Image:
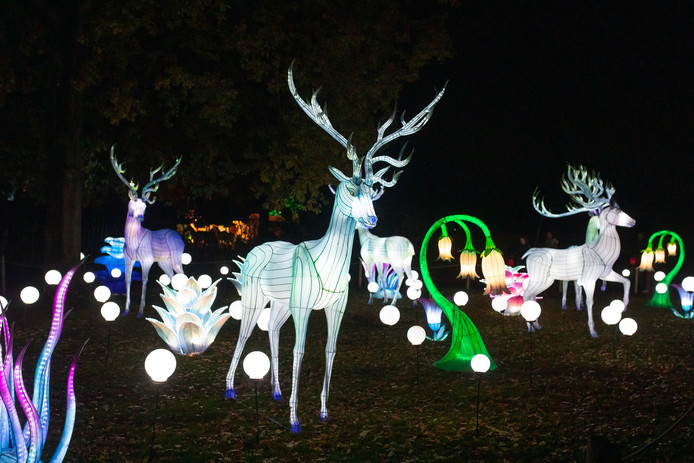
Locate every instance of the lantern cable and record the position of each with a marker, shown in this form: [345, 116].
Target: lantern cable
[656, 439]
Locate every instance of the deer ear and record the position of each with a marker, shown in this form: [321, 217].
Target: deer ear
[338, 175]
[132, 194]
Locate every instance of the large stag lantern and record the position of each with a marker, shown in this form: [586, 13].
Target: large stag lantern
[297, 279]
[165, 247]
[586, 263]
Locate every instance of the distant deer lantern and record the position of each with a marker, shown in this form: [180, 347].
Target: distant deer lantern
[394, 250]
[299, 278]
[165, 247]
[586, 263]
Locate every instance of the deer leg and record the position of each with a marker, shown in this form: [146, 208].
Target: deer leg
[145, 274]
[333, 316]
[278, 316]
[371, 277]
[382, 283]
[300, 324]
[129, 263]
[400, 275]
[579, 295]
[626, 283]
[590, 290]
[564, 289]
[249, 317]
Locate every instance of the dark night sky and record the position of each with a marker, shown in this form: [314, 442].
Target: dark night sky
[537, 85]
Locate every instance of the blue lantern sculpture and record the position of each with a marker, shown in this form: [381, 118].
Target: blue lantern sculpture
[114, 262]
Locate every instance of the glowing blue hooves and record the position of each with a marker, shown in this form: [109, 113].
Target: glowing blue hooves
[296, 428]
[277, 396]
[230, 394]
[324, 417]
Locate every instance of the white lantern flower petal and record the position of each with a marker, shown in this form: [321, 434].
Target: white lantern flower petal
[167, 334]
[191, 336]
[214, 328]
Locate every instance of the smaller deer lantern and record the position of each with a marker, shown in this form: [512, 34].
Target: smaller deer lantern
[165, 247]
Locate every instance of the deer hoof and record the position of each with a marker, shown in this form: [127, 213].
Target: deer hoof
[277, 396]
[230, 394]
[324, 417]
[296, 428]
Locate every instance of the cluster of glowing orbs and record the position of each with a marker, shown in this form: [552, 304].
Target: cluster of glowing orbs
[256, 365]
[372, 287]
[236, 309]
[445, 248]
[530, 311]
[186, 258]
[460, 298]
[480, 363]
[499, 304]
[160, 365]
[29, 295]
[264, 319]
[110, 311]
[89, 277]
[414, 291]
[618, 304]
[102, 293]
[52, 277]
[688, 284]
[415, 277]
[416, 335]
[628, 326]
[178, 282]
[224, 270]
[389, 315]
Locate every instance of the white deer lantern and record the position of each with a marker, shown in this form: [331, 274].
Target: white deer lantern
[299, 278]
[586, 263]
[165, 247]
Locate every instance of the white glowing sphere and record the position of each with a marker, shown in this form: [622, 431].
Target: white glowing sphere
[499, 304]
[460, 298]
[236, 309]
[372, 287]
[82, 256]
[417, 284]
[52, 277]
[408, 281]
[349, 278]
[659, 275]
[618, 305]
[160, 364]
[480, 363]
[224, 270]
[264, 319]
[416, 335]
[186, 258]
[661, 288]
[530, 310]
[256, 364]
[611, 315]
[164, 279]
[110, 311]
[204, 281]
[688, 284]
[626, 273]
[413, 293]
[628, 326]
[415, 275]
[116, 273]
[102, 293]
[89, 277]
[29, 295]
[178, 282]
[3, 303]
[389, 315]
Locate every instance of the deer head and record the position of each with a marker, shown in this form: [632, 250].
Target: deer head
[360, 190]
[137, 205]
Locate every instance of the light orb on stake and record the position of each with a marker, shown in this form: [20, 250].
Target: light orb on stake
[659, 275]
[416, 335]
[628, 326]
[204, 281]
[186, 258]
[116, 273]
[89, 277]
[164, 279]
[372, 287]
[160, 364]
[224, 270]
[52, 277]
[661, 288]
[389, 315]
[102, 293]
[480, 363]
[611, 315]
[688, 284]
[460, 298]
[29, 295]
[179, 281]
[626, 273]
[256, 365]
[110, 311]
[414, 293]
[499, 304]
[236, 310]
[530, 311]
[264, 319]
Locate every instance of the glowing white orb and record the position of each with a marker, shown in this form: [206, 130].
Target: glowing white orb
[688, 284]
[164, 279]
[618, 305]
[417, 284]
[102, 293]
[89, 277]
[256, 364]
[116, 273]
[389, 315]
[160, 364]
[661, 288]
[52, 277]
[29, 295]
[628, 326]
[416, 335]
[530, 310]
[264, 319]
[480, 363]
[236, 309]
[611, 315]
[110, 311]
[626, 273]
[659, 275]
[460, 298]
[415, 275]
[178, 282]
[3, 303]
[499, 304]
[186, 258]
[224, 270]
[372, 287]
[204, 281]
[413, 293]
[349, 278]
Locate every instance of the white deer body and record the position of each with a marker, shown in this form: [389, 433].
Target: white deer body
[165, 247]
[299, 278]
[394, 250]
[587, 263]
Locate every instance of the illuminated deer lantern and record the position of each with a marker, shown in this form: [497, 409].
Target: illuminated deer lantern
[589, 262]
[297, 279]
[394, 250]
[165, 247]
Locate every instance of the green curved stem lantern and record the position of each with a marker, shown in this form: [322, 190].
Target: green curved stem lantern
[466, 341]
[663, 300]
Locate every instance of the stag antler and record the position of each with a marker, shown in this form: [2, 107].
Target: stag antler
[153, 183]
[120, 170]
[587, 191]
[320, 116]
